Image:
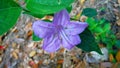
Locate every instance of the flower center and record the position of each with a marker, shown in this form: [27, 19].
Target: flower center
[59, 27]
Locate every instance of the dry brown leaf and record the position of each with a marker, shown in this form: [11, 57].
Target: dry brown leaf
[29, 34]
[35, 66]
[118, 56]
[61, 50]
[111, 58]
[40, 62]
[60, 61]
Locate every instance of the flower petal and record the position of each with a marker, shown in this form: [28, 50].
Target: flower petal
[74, 28]
[43, 29]
[61, 18]
[51, 44]
[69, 41]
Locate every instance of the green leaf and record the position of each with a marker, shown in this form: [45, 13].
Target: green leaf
[98, 29]
[90, 12]
[42, 15]
[47, 6]
[88, 42]
[106, 27]
[9, 13]
[33, 14]
[92, 23]
[118, 43]
[102, 21]
[69, 9]
[35, 38]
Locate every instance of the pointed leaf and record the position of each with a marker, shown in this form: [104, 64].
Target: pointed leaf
[98, 29]
[106, 27]
[47, 6]
[35, 38]
[88, 42]
[118, 44]
[90, 12]
[92, 23]
[9, 13]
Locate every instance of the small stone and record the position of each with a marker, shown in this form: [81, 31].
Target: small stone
[14, 54]
[45, 61]
[0, 59]
[19, 40]
[17, 50]
[31, 44]
[83, 18]
[35, 57]
[36, 61]
[106, 65]
[39, 51]
[14, 45]
[28, 67]
[32, 53]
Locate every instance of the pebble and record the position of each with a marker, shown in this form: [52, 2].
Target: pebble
[14, 54]
[0, 59]
[39, 51]
[36, 61]
[31, 44]
[45, 61]
[106, 65]
[32, 53]
[14, 45]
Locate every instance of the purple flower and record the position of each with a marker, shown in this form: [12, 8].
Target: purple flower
[61, 32]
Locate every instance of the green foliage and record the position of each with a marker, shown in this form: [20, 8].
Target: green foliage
[101, 30]
[98, 26]
[47, 6]
[42, 15]
[92, 23]
[88, 42]
[35, 38]
[89, 12]
[33, 14]
[9, 13]
[118, 44]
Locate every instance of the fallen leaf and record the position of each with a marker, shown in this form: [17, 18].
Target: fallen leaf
[60, 61]
[29, 34]
[118, 56]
